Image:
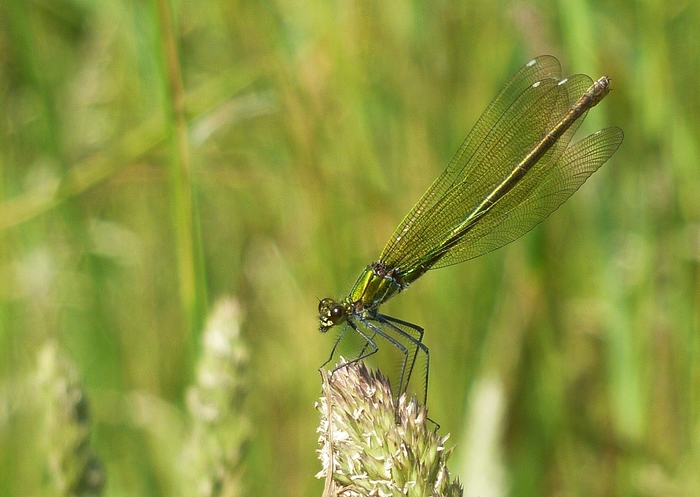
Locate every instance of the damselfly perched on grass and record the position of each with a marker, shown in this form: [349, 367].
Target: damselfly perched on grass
[515, 167]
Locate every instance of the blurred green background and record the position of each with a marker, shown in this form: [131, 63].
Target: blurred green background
[157, 157]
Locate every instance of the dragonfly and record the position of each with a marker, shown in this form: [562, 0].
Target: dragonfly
[515, 168]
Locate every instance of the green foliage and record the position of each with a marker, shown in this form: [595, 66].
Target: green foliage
[155, 156]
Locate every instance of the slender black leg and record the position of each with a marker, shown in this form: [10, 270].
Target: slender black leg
[335, 345]
[394, 331]
[371, 347]
[413, 334]
[364, 353]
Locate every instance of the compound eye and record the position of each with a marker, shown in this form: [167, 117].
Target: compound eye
[337, 313]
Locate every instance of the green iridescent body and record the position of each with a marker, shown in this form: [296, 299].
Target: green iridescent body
[374, 287]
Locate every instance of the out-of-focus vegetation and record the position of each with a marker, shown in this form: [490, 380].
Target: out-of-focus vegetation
[158, 157]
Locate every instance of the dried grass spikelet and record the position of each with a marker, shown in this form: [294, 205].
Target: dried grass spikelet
[373, 445]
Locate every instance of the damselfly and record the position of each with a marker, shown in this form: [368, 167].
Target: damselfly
[515, 167]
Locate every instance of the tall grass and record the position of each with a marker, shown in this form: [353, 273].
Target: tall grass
[159, 156]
